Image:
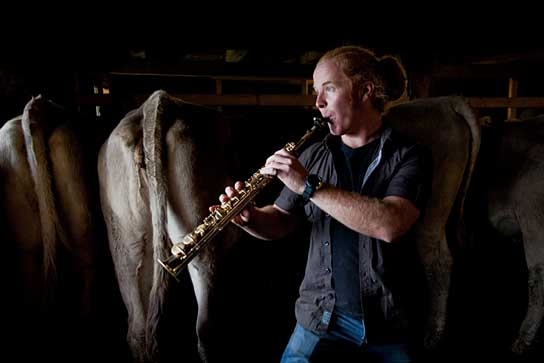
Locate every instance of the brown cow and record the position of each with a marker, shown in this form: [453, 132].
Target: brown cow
[47, 223]
[448, 126]
[160, 170]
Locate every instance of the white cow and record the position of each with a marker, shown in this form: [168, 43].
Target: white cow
[447, 125]
[160, 170]
[47, 223]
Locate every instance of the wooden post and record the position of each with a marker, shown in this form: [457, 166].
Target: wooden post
[218, 87]
[512, 92]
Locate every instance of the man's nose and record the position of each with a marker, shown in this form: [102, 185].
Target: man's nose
[320, 101]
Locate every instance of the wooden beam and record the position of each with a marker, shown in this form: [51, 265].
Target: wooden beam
[299, 100]
[143, 72]
[249, 100]
[505, 102]
[483, 71]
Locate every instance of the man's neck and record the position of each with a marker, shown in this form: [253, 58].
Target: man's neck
[369, 131]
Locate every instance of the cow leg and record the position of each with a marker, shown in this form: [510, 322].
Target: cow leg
[534, 254]
[188, 205]
[74, 203]
[434, 251]
[126, 214]
[129, 271]
[437, 261]
[23, 226]
[535, 305]
[202, 285]
[535, 311]
[197, 174]
[527, 203]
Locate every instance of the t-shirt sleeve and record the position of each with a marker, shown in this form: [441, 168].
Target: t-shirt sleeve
[413, 179]
[287, 200]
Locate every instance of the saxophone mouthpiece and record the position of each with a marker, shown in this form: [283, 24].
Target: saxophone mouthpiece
[320, 122]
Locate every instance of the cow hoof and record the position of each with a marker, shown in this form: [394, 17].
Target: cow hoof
[432, 340]
[519, 347]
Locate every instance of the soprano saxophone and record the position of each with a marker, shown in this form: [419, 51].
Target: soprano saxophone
[184, 251]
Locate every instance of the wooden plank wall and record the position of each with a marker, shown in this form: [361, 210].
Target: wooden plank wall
[299, 90]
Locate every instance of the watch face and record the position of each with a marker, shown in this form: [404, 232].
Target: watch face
[313, 180]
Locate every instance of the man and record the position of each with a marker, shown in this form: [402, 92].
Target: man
[363, 188]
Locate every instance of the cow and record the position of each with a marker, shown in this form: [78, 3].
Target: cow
[160, 170]
[507, 200]
[516, 205]
[447, 125]
[47, 225]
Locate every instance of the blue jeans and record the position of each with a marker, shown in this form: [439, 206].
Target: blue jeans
[343, 342]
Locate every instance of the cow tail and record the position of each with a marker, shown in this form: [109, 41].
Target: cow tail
[34, 124]
[153, 141]
[464, 109]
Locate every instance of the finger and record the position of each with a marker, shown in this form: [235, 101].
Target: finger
[269, 160]
[239, 185]
[230, 191]
[223, 198]
[268, 170]
[244, 216]
[241, 220]
[283, 152]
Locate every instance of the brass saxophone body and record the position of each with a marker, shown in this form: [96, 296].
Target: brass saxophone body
[184, 251]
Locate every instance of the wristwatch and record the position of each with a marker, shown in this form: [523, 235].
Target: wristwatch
[313, 183]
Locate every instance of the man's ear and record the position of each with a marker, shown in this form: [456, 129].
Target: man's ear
[368, 89]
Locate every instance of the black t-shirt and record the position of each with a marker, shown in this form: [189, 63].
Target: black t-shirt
[351, 165]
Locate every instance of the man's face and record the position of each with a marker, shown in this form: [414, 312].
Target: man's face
[334, 99]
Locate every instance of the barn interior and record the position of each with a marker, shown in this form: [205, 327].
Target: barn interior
[264, 88]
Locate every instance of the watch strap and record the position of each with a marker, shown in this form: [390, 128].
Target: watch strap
[312, 184]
